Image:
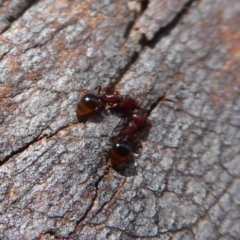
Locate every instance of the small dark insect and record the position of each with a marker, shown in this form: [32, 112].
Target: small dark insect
[136, 119]
[91, 102]
[119, 153]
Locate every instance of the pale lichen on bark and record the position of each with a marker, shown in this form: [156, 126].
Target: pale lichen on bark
[54, 183]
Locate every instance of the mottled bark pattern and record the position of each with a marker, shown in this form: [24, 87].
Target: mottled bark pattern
[185, 183]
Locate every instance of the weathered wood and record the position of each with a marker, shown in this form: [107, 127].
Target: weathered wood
[54, 183]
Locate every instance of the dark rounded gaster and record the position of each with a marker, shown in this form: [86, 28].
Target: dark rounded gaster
[88, 104]
[119, 153]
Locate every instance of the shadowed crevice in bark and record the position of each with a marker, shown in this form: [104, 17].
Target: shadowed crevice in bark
[16, 9]
[165, 31]
[144, 5]
[96, 184]
[20, 150]
[35, 140]
[5, 54]
[123, 71]
[162, 32]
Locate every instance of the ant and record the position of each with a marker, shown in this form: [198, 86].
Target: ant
[91, 103]
[121, 150]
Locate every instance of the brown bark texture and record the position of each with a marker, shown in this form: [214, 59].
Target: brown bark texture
[179, 59]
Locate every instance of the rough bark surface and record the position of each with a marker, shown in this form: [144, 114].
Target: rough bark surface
[185, 183]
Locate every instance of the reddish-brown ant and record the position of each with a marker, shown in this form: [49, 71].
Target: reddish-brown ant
[91, 102]
[120, 151]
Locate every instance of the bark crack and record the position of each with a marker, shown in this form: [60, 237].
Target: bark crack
[15, 10]
[166, 30]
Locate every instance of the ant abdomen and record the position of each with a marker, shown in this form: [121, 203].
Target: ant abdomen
[88, 104]
[119, 153]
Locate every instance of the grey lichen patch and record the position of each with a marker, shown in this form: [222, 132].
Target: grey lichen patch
[171, 217]
[151, 21]
[55, 178]
[47, 64]
[233, 166]
[197, 190]
[205, 229]
[35, 182]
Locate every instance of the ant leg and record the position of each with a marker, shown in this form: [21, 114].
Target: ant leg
[164, 98]
[116, 92]
[169, 100]
[98, 88]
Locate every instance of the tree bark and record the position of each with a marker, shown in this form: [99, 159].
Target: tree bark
[179, 59]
